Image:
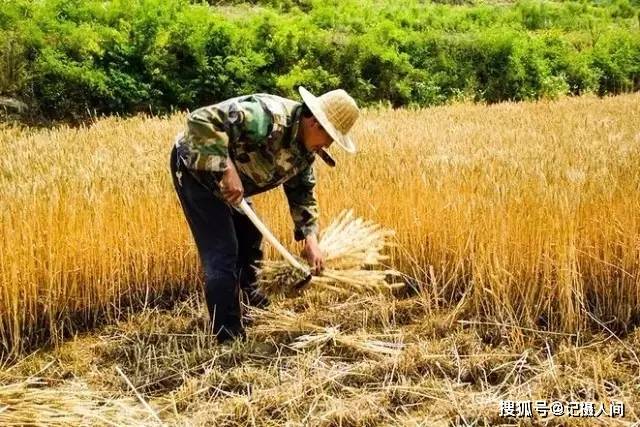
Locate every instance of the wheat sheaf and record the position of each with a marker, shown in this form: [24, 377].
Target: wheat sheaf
[353, 250]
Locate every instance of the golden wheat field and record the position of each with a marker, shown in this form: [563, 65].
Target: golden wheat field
[517, 226]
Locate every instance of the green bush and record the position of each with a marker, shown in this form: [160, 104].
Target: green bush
[70, 58]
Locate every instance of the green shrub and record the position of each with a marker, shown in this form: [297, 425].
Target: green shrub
[70, 58]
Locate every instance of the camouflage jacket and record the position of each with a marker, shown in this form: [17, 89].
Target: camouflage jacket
[258, 132]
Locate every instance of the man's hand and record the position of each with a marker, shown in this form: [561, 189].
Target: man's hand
[230, 185]
[312, 254]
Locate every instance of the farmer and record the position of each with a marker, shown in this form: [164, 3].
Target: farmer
[245, 146]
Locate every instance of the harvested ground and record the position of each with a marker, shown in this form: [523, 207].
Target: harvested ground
[321, 360]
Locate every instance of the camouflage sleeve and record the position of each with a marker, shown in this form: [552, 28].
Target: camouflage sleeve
[302, 203]
[212, 130]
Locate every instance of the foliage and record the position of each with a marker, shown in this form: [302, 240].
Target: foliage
[69, 58]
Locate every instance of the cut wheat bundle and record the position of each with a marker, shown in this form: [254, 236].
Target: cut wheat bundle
[32, 401]
[314, 336]
[353, 252]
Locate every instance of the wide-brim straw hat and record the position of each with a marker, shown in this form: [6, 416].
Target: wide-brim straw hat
[337, 112]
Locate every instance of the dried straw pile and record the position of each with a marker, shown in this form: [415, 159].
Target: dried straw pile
[353, 250]
[312, 336]
[32, 401]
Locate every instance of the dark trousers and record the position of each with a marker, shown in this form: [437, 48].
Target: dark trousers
[229, 247]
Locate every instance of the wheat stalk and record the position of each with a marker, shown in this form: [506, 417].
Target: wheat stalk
[32, 401]
[353, 253]
[314, 336]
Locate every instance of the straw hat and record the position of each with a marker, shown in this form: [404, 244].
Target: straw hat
[336, 111]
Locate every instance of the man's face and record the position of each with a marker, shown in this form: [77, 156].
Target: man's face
[314, 135]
